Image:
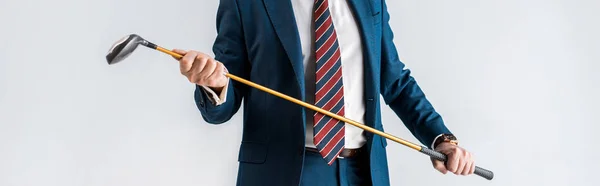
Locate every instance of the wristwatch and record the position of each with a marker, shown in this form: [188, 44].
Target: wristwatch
[445, 138]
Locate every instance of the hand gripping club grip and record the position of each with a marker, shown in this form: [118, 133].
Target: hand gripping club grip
[442, 157]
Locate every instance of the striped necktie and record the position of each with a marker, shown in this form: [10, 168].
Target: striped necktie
[328, 132]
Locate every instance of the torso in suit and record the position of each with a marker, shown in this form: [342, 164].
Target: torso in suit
[258, 40]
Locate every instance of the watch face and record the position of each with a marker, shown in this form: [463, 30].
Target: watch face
[450, 137]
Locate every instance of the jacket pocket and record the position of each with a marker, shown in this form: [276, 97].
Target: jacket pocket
[252, 152]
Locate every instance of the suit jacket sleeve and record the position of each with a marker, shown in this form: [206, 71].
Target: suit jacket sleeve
[401, 92]
[229, 48]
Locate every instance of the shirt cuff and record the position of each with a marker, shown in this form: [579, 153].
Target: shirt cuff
[216, 99]
[434, 140]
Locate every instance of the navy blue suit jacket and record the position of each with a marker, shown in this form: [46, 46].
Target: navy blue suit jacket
[258, 40]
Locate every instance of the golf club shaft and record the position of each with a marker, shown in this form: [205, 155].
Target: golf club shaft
[436, 155]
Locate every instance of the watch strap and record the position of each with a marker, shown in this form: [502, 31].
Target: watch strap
[450, 138]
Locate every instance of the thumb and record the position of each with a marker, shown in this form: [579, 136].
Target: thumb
[180, 52]
[439, 165]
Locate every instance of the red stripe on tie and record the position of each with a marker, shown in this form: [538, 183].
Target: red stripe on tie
[319, 117]
[340, 112]
[323, 49]
[328, 65]
[321, 29]
[337, 138]
[328, 127]
[335, 157]
[320, 10]
[329, 85]
[334, 100]
[323, 34]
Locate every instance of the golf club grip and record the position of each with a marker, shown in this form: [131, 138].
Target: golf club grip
[442, 157]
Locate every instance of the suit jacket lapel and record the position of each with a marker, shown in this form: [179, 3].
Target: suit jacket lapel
[281, 14]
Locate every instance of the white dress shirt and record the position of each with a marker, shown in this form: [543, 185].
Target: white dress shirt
[349, 40]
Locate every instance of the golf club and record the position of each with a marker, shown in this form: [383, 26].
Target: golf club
[126, 45]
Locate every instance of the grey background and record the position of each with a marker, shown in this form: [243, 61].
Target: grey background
[516, 80]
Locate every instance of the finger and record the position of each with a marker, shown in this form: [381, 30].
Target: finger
[194, 73]
[217, 76]
[452, 163]
[209, 68]
[180, 52]
[439, 165]
[199, 64]
[185, 64]
[461, 166]
[472, 170]
[468, 164]
[446, 149]
[467, 168]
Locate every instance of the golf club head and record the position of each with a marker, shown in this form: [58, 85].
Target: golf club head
[123, 48]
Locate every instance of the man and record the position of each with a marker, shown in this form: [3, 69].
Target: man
[336, 54]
